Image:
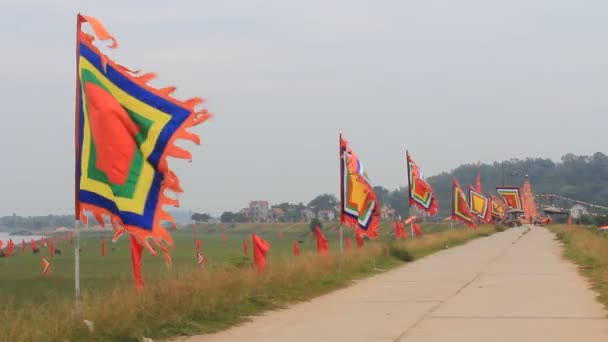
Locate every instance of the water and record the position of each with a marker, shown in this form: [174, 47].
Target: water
[4, 237]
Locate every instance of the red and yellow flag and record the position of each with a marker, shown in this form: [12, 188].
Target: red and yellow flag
[360, 207]
[460, 209]
[420, 192]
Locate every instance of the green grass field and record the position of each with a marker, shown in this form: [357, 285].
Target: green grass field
[22, 280]
[185, 299]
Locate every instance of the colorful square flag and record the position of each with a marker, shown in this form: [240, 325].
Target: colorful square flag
[511, 196]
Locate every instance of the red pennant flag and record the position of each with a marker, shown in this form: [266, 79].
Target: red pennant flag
[103, 247]
[397, 229]
[199, 243]
[360, 241]
[260, 249]
[403, 231]
[1, 244]
[46, 267]
[52, 246]
[23, 245]
[417, 229]
[9, 248]
[347, 242]
[224, 238]
[296, 248]
[33, 245]
[322, 247]
[280, 235]
[246, 248]
[136, 251]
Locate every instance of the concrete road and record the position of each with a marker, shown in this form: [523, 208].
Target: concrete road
[511, 286]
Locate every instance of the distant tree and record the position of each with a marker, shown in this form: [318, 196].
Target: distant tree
[201, 217]
[314, 223]
[240, 217]
[323, 202]
[382, 194]
[227, 217]
[398, 200]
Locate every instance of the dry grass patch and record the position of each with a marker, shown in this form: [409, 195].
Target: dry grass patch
[588, 248]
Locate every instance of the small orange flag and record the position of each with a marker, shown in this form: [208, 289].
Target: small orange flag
[136, 251]
[322, 247]
[360, 241]
[260, 249]
[245, 248]
[417, 229]
[296, 248]
[224, 238]
[52, 246]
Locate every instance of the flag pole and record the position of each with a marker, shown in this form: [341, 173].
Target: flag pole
[409, 190]
[77, 210]
[77, 270]
[341, 169]
[341, 249]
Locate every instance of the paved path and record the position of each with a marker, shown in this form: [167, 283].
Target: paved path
[507, 287]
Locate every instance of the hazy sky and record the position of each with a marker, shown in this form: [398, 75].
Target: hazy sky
[452, 81]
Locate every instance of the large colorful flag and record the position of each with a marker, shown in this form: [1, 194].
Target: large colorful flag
[420, 192]
[125, 131]
[498, 207]
[460, 209]
[360, 207]
[511, 196]
[479, 205]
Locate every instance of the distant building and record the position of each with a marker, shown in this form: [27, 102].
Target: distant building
[258, 211]
[387, 213]
[307, 214]
[277, 214]
[577, 211]
[327, 215]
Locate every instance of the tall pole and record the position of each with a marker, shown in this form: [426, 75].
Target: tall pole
[77, 142]
[77, 271]
[341, 249]
[503, 173]
[409, 189]
[341, 159]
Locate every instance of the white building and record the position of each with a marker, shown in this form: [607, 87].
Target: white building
[577, 211]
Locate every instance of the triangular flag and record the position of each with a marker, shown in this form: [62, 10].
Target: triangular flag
[23, 245]
[296, 248]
